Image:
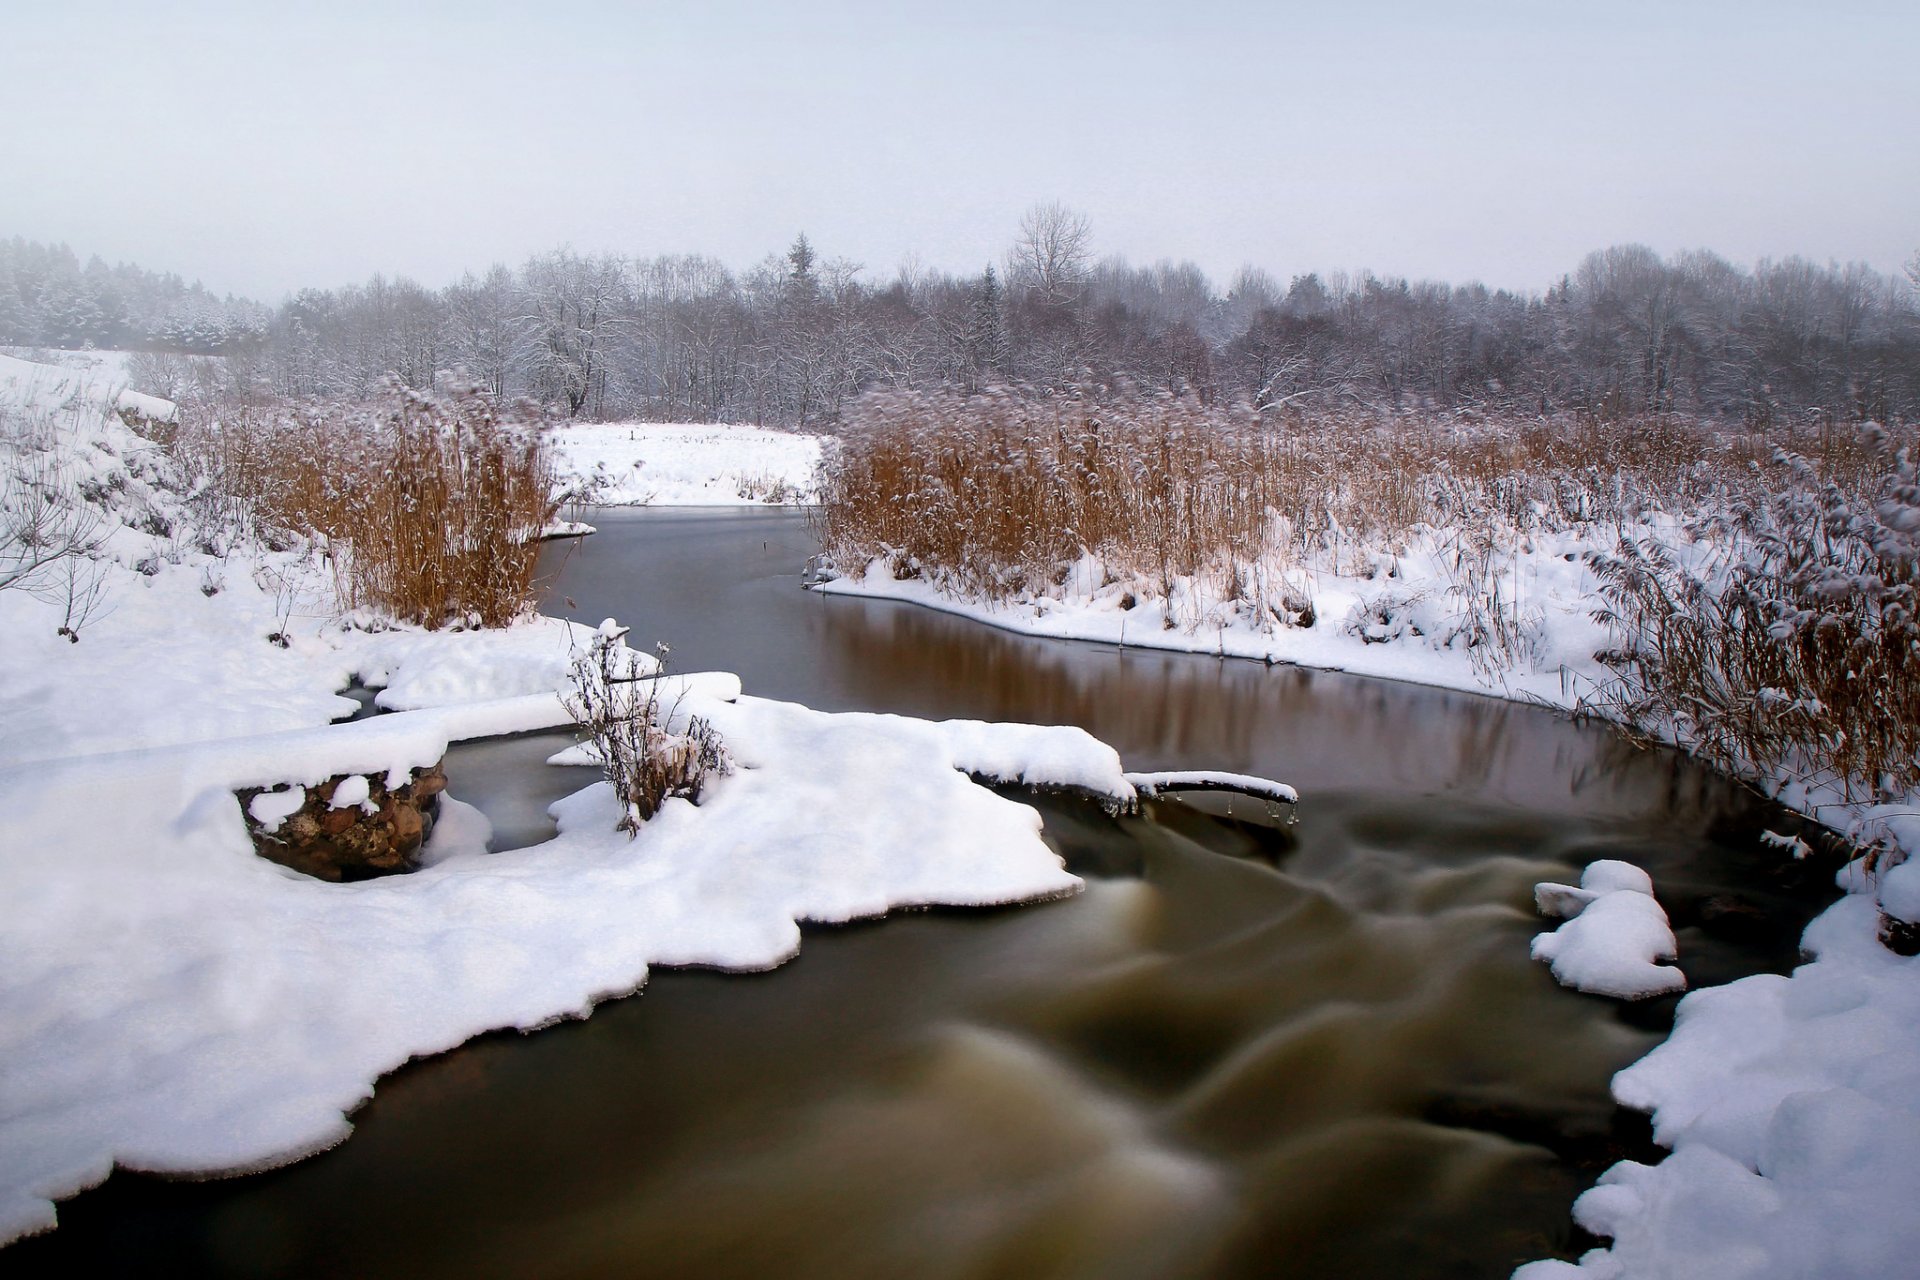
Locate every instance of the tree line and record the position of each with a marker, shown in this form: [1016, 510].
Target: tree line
[794, 338]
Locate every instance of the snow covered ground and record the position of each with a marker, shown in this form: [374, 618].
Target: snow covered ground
[628, 464]
[1400, 619]
[1791, 1104]
[172, 1002]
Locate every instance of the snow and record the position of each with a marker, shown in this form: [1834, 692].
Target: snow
[271, 808]
[1900, 892]
[1213, 780]
[640, 463]
[1792, 1105]
[1426, 643]
[172, 1002]
[40, 388]
[1610, 949]
[1614, 934]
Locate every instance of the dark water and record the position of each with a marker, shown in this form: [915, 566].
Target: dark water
[1247, 1049]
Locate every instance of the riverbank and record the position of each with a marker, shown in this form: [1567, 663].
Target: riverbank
[1789, 1103]
[632, 464]
[174, 1003]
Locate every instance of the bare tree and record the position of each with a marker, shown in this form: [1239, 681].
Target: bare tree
[572, 306]
[1050, 257]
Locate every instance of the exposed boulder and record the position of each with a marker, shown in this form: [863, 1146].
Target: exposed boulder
[350, 827]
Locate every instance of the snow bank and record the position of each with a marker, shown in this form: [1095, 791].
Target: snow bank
[173, 1003]
[1792, 1106]
[640, 463]
[1549, 577]
[1613, 937]
[44, 388]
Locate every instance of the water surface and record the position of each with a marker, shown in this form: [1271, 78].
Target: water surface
[1248, 1049]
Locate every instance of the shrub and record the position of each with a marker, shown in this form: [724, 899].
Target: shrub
[649, 752]
[996, 495]
[432, 504]
[1798, 648]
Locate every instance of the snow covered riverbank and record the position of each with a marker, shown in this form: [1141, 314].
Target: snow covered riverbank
[172, 1002]
[626, 464]
[1791, 1104]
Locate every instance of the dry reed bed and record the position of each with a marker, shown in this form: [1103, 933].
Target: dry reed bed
[997, 493]
[1759, 586]
[430, 505]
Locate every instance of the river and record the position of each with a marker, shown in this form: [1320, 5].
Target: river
[1249, 1048]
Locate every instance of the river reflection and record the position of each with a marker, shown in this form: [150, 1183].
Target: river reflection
[1245, 1050]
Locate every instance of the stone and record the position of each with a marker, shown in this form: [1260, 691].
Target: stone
[354, 842]
[1902, 937]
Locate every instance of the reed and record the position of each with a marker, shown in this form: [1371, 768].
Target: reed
[648, 752]
[1795, 651]
[996, 494]
[1760, 595]
[431, 505]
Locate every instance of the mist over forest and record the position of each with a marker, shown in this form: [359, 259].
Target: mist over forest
[796, 337]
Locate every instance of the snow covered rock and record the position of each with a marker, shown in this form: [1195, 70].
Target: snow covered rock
[350, 827]
[1900, 909]
[1614, 937]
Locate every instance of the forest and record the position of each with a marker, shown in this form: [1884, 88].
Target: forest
[794, 339]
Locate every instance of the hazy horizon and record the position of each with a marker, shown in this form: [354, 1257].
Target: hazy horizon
[265, 151]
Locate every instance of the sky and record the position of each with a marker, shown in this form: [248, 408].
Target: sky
[262, 148]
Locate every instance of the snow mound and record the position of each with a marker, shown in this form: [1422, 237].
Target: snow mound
[1900, 892]
[1614, 935]
[45, 388]
[1792, 1106]
[173, 1003]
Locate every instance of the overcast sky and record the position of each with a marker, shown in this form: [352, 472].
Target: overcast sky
[264, 147]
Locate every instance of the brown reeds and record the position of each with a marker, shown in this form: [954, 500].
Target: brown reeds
[1770, 624]
[432, 506]
[998, 493]
[1797, 651]
[646, 758]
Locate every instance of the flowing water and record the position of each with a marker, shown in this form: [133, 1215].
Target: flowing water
[1247, 1049]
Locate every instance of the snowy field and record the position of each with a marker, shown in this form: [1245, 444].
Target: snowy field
[1791, 1105]
[101, 368]
[171, 1002]
[630, 464]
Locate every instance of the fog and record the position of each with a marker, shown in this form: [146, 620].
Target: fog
[265, 148]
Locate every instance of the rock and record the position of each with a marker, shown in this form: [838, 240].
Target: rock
[354, 842]
[1902, 937]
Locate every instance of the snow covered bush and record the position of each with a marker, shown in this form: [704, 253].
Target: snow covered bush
[1222, 511]
[1797, 650]
[649, 752]
[431, 504]
[47, 527]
